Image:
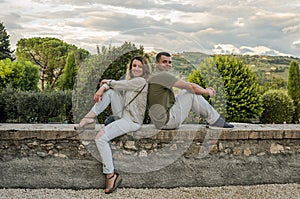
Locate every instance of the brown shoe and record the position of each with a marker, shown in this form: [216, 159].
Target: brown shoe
[116, 184]
[87, 123]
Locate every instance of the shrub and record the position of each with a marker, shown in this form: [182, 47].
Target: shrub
[237, 89]
[35, 107]
[278, 107]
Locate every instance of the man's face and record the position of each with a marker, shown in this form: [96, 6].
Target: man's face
[164, 63]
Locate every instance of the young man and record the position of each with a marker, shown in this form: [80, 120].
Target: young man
[167, 111]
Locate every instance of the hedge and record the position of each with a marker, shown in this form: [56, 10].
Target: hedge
[35, 107]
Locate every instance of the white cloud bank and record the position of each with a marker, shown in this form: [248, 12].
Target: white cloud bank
[214, 26]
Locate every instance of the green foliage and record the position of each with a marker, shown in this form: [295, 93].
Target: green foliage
[237, 90]
[186, 62]
[294, 80]
[278, 107]
[5, 72]
[275, 65]
[273, 83]
[67, 79]
[257, 63]
[207, 75]
[294, 88]
[5, 51]
[119, 58]
[50, 55]
[21, 75]
[32, 107]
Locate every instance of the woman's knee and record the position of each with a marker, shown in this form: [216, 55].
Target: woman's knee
[99, 135]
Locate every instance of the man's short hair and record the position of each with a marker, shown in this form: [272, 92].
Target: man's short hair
[158, 56]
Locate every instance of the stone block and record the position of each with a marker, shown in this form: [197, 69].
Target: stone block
[292, 134]
[247, 152]
[276, 148]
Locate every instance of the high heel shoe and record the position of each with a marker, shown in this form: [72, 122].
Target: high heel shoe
[87, 125]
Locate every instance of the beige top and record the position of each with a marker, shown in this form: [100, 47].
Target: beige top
[136, 109]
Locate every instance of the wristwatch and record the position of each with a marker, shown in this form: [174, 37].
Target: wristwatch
[109, 82]
[106, 86]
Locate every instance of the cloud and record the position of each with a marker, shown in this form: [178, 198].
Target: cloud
[296, 44]
[225, 49]
[183, 25]
[246, 50]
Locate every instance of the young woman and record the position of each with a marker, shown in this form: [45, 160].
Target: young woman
[131, 114]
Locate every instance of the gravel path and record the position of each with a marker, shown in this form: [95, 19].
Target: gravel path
[273, 191]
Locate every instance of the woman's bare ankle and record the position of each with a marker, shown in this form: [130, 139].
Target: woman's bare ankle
[86, 120]
[110, 175]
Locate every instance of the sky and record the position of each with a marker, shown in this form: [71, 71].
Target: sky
[209, 26]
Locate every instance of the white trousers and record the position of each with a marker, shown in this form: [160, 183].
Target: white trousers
[110, 97]
[186, 102]
[114, 129]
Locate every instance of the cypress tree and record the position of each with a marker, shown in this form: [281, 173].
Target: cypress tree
[69, 73]
[294, 88]
[5, 51]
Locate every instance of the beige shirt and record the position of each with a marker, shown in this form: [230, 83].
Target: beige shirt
[136, 109]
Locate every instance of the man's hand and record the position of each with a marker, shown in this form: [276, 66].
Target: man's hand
[210, 92]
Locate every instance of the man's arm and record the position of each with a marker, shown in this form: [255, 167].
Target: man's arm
[194, 88]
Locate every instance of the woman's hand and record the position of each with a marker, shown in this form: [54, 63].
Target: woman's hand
[104, 81]
[98, 95]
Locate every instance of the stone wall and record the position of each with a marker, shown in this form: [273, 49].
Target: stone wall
[55, 156]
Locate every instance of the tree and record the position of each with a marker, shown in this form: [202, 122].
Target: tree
[237, 89]
[67, 79]
[5, 51]
[20, 75]
[5, 72]
[294, 88]
[50, 55]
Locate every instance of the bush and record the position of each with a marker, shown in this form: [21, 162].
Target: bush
[237, 89]
[278, 107]
[35, 107]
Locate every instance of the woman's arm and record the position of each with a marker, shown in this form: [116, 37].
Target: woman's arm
[98, 95]
[129, 85]
[132, 84]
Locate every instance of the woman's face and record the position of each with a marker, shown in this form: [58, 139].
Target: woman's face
[137, 68]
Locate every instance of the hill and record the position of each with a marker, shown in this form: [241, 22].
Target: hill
[270, 66]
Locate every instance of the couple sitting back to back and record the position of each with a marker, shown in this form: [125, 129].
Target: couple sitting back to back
[166, 110]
